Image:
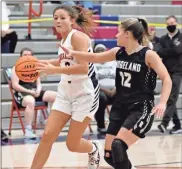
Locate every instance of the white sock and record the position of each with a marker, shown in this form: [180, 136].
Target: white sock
[94, 148]
[29, 127]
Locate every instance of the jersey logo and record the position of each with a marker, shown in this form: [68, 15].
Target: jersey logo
[64, 56]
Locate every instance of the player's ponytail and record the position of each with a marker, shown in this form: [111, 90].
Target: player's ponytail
[145, 39]
[84, 19]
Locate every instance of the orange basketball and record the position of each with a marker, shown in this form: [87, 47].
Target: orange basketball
[25, 68]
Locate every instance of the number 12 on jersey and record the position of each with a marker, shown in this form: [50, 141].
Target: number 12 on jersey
[125, 79]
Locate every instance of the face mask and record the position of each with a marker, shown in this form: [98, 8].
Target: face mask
[171, 28]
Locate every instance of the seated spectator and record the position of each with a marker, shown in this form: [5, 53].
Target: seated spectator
[106, 76]
[7, 35]
[27, 93]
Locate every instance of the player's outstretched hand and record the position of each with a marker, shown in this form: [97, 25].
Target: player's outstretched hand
[159, 110]
[45, 68]
[68, 52]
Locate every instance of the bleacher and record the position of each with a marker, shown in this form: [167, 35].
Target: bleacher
[44, 41]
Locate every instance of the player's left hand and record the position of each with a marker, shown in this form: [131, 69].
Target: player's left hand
[67, 51]
[45, 68]
[159, 110]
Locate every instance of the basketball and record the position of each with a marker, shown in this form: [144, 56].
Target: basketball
[25, 68]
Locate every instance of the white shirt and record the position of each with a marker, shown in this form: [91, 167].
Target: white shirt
[5, 13]
[106, 73]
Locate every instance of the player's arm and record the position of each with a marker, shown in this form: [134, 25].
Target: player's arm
[55, 62]
[39, 86]
[16, 86]
[107, 56]
[80, 43]
[153, 60]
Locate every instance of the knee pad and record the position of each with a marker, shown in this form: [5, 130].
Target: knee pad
[119, 148]
[109, 159]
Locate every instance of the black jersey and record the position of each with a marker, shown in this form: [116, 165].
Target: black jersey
[135, 81]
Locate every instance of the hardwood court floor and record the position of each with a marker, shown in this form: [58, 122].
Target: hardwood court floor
[153, 152]
[103, 168]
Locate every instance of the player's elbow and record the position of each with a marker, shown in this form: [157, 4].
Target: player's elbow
[166, 80]
[15, 86]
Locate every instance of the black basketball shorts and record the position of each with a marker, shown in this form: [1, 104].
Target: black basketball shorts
[20, 95]
[132, 116]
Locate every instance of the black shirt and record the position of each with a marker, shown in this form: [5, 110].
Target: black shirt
[135, 81]
[170, 51]
[28, 85]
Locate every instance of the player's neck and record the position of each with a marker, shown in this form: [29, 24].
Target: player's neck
[133, 47]
[64, 35]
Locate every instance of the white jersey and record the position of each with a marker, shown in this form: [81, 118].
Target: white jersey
[71, 61]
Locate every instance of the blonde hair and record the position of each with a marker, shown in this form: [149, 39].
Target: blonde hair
[139, 28]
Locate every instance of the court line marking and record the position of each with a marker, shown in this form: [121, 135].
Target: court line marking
[76, 167]
[159, 164]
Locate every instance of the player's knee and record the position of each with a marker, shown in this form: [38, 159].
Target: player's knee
[29, 102]
[71, 146]
[119, 148]
[108, 157]
[47, 137]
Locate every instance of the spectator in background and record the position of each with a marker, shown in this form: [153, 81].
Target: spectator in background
[7, 35]
[27, 93]
[171, 53]
[153, 38]
[88, 5]
[106, 76]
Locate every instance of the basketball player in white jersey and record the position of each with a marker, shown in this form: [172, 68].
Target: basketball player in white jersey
[78, 91]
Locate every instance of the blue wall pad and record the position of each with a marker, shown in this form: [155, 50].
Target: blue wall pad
[109, 18]
[109, 43]
[98, 8]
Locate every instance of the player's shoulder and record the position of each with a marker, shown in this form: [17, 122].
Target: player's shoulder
[78, 35]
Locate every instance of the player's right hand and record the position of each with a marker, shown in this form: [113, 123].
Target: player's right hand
[159, 110]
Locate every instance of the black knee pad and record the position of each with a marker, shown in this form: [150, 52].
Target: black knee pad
[109, 159]
[119, 154]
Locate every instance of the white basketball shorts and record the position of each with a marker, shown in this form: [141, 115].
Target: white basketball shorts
[80, 99]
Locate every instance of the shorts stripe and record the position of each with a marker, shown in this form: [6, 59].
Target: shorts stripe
[148, 121]
[91, 70]
[96, 96]
[97, 89]
[95, 108]
[94, 104]
[96, 99]
[144, 120]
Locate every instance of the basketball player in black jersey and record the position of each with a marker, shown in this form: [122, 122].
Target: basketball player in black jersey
[132, 113]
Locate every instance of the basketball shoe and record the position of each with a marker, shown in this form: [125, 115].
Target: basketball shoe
[94, 157]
